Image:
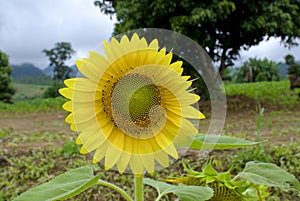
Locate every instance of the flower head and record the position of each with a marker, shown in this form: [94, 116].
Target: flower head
[132, 106]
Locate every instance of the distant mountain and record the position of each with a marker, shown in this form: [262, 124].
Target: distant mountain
[27, 73]
[49, 71]
[284, 69]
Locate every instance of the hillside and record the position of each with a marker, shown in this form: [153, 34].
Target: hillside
[27, 73]
[49, 71]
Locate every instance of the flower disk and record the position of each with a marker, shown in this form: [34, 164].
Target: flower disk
[132, 106]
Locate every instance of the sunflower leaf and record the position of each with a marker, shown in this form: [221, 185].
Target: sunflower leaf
[185, 193]
[63, 186]
[203, 141]
[270, 175]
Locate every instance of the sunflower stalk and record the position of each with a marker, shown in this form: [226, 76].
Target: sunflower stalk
[139, 193]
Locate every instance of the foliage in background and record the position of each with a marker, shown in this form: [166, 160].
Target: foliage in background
[57, 57]
[257, 70]
[52, 91]
[32, 105]
[6, 87]
[28, 91]
[223, 28]
[275, 92]
[294, 68]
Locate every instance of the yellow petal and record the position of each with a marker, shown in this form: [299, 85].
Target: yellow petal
[162, 158]
[99, 61]
[92, 137]
[88, 70]
[81, 84]
[83, 150]
[66, 92]
[73, 128]
[123, 162]
[67, 106]
[148, 162]
[191, 112]
[154, 45]
[136, 165]
[167, 145]
[100, 152]
[70, 119]
[115, 149]
[176, 66]
[86, 96]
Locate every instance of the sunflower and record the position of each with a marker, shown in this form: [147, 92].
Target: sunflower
[132, 106]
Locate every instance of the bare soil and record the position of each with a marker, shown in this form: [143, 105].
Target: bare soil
[280, 124]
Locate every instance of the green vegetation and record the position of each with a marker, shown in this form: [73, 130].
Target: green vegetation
[34, 105]
[29, 158]
[57, 57]
[274, 92]
[294, 67]
[6, 87]
[223, 28]
[257, 70]
[28, 91]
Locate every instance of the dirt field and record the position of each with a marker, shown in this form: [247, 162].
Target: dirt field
[280, 124]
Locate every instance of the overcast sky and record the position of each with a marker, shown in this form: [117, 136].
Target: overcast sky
[28, 27]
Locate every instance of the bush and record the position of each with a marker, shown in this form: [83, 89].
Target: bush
[256, 70]
[52, 91]
[6, 88]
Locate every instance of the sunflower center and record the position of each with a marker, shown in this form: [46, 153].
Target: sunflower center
[136, 106]
[134, 96]
[141, 103]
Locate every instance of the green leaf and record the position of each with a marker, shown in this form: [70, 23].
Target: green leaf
[185, 193]
[203, 141]
[63, 186]
[270, 175]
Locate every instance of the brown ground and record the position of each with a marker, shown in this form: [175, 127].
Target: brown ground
[280, 124]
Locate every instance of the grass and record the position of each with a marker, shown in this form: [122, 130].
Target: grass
[28, 91]
[32, 105]
[275, 92]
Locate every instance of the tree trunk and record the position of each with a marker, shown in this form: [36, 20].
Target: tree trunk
[223, 63]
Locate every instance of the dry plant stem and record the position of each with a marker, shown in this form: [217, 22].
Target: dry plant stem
[139, 192]
[116, 188]
[258, 193]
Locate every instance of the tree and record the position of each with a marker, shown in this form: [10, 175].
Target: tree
[222, 27]
[293, 71]
[257, 70]
[57, 57]
[6, 87]
[294, 68]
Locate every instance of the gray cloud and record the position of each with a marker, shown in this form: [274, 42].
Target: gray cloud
[28, 27]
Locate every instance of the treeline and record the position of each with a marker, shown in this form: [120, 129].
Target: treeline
[257, 70]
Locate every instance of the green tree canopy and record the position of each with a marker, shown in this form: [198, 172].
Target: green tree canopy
[57, 57]
[222, 27]
[294, 68]
[6, 87]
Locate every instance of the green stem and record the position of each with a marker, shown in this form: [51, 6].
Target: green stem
[116, 188]
[160, 196]
[139, 193]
